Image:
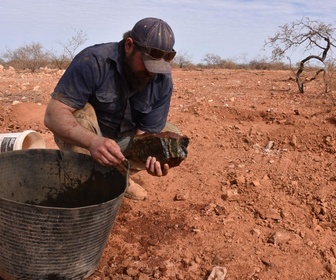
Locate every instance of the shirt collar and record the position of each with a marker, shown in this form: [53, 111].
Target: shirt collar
[116, 54]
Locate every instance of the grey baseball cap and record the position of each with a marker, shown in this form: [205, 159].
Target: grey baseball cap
[156, 40]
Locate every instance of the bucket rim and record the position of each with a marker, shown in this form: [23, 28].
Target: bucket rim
[32, 206]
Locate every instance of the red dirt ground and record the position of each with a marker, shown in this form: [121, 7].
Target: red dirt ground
[256, 194]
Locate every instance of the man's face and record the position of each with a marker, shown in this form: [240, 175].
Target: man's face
[135, 71]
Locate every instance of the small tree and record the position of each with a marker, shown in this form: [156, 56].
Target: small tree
[69, 49]
[312, 36]
[212, 60]
[31, 56]
[182, 59]
[71, 46]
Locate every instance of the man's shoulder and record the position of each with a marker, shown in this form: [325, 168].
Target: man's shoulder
[104, 49]
[164, 78]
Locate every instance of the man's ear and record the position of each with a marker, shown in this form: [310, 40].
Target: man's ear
[129, 45]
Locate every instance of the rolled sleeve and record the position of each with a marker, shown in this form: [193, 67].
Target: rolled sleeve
[79, 81]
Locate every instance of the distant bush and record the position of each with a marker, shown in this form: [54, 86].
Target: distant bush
[265, 65]
[31, 56]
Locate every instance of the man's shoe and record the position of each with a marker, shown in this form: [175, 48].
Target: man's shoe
[135, 191]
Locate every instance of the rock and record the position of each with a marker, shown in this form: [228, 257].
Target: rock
[318, 229]
[219, 210]
[130, 271]
[269, 214]
[217, 273]
[36, 88]
[143, 276]
[278, 238]
[240, 180]
[255, 183]
[15, 102]
[256, 232]
[167, 147]
[269, 146]
[293, 141]
[231, 194]
[333, 250]
[331, 268]
[266, 261]
[181, 196]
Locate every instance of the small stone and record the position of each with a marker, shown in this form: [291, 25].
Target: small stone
[269, 214]
[219, 210]
[230, 195]
[179, 276]
[269, 146]
[197, 230]
[293, 141]
[218, 273]
[36, 88]
[333, 250]
[256, 183]
[198, 260]
[279, 238]
[240, 180]
[181, 196]
[130, 271]
[318, 229]
[256, 232]
[162, 268]
[266, 262]
[331, 268]
[143, 276]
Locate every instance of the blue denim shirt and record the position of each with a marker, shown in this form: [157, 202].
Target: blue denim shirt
[95, 76]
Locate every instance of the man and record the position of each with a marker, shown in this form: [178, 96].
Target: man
[113, 91]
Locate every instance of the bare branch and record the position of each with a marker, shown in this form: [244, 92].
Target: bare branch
[313, 37]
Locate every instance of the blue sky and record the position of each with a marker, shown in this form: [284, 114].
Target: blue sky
[232, 29]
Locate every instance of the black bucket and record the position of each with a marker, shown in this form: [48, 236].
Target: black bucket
[57, 210]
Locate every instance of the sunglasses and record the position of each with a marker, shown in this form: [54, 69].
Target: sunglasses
[156, 53]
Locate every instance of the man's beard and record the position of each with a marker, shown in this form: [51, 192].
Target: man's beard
[136, 80]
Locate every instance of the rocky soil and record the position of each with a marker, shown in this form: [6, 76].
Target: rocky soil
[254, 198]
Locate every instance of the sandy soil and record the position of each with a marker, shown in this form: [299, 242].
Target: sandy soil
[256, 194]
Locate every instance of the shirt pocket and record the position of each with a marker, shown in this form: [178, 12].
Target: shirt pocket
[142, 106]
[108, 101]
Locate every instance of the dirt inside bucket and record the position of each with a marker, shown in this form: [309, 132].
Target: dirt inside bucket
[95, 190]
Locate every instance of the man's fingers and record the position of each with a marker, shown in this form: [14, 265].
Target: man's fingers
[109, 160]
[157, 167]
[165, 169]
[154, 167]
[113, 152]
[106, 151]
[114, 157]
[148, 163]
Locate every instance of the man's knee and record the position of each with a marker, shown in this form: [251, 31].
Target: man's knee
[87, 118]
[169, 127]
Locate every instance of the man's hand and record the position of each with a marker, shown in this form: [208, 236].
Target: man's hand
[154, 167]
[105, 151]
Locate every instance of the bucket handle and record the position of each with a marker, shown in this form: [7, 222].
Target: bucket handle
[128, 167]
[125, 168]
